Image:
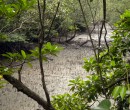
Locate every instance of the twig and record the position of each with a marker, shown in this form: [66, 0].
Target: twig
[41, 41]
[105, 38]
[94, 24]
[99, 44]
[116, 82]
[3, 27]
[91, 11]
[17, 28]
[73, 35]
[19, 71]
[89, 33]
[41, 21]
[48, 35]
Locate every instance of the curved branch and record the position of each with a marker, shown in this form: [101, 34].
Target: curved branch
[89, 32]
[116, 82]
[41, 42]
[25, 90]
[48, 35]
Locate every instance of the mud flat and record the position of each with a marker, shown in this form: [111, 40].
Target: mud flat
[67, 65]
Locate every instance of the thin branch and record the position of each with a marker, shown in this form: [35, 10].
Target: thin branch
[92, 104]
[41, 41]
[17, 28]
[48, 35]
[117, 10]
[94, 25]
[4, 27]
[90, 8]
[19, 64]
[103, 21]
[100, 34]
[105, 38]
[73, 35]
[19, 71]
[96, 55]
[89, 33]
[116, 82]
[99, 45]
[41, 22]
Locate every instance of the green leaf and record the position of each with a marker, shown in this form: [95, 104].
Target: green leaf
[103, 105]
[91, 0]
[72, 88]
[106, 104]
[113, 63]
[48, 45]
[6, 55]
[2, 82]
[24, 3]
[23, 54]
[6, 71]
[116, 92]
[123, 92]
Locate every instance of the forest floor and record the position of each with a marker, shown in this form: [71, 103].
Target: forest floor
[66, 66]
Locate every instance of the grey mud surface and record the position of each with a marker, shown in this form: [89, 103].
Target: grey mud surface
[68, 65]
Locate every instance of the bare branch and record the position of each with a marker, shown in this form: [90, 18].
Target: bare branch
[89, 33]
[73, 35]
[99, 44]
[19, 71]
[116, 82]
[17, 28]
[41, 41]
[48, 35]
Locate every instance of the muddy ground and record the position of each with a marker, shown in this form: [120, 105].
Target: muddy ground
[67, 65]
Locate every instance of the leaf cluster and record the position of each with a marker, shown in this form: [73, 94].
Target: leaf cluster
[12, 8]
[20, 58]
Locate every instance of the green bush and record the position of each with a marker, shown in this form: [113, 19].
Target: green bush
[109, 79]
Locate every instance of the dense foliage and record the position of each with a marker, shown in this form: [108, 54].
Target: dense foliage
[109, 78]
[19, 19]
